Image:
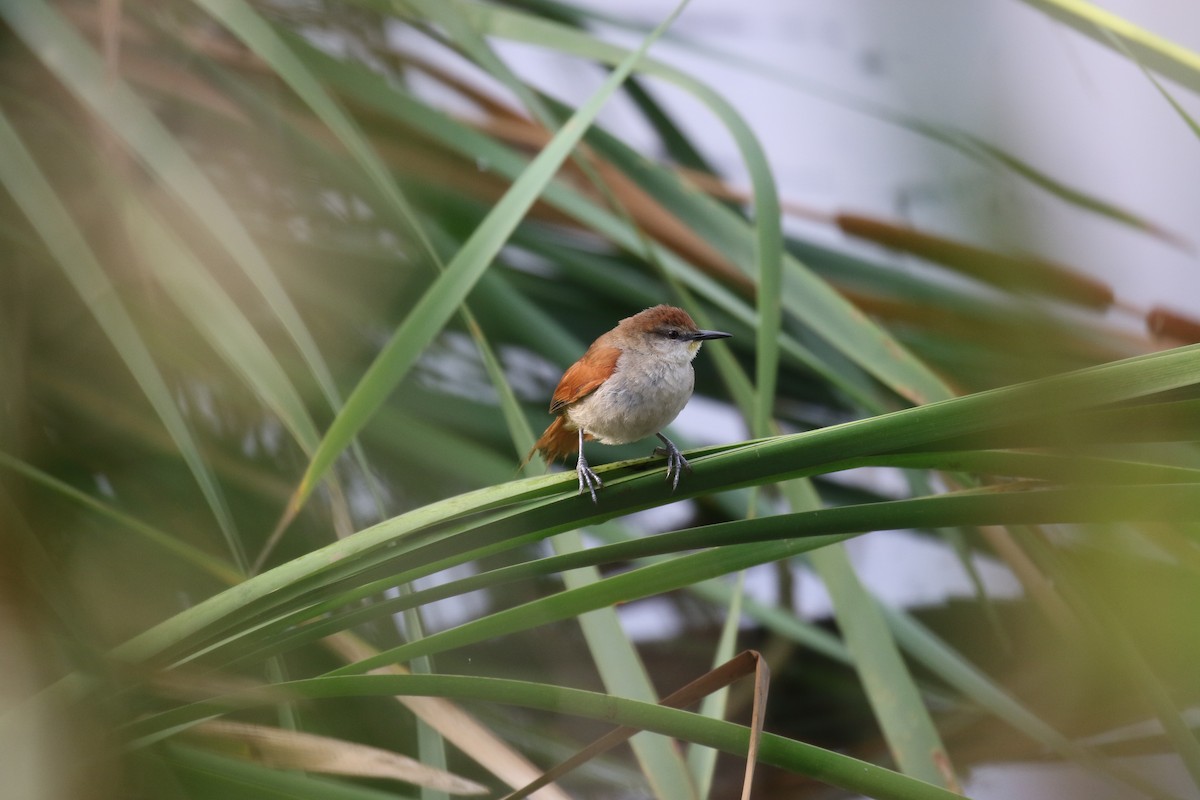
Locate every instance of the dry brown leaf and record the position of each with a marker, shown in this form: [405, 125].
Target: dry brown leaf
[285, 749]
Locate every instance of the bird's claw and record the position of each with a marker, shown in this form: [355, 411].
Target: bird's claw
[587, 478]
[676, 463]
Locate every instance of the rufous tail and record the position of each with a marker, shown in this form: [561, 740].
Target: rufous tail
[557, 442]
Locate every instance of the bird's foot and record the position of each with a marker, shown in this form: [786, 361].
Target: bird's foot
[676, 463]
[587, 479]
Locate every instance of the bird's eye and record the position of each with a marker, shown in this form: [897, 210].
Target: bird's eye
[672, 334]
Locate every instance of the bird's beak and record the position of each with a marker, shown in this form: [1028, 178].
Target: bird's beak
[700, 336]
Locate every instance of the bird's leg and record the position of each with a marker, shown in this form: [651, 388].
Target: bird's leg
[587, 479]
[676, 463]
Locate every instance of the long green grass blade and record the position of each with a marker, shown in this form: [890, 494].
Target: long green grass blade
[1086, 472]
[24, 180]
[1067, 193]
[788, 535]
[1046, 506]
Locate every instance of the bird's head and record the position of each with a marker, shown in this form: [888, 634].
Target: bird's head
[667, 331]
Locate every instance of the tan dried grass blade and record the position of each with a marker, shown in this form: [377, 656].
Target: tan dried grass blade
[285, 749]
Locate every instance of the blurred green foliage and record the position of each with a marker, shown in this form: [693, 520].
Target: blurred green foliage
[278, 325]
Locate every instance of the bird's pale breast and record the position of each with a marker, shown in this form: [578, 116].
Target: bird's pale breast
[641, 398]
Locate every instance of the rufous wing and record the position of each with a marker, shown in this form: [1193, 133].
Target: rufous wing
[580, 380]
[585, 376]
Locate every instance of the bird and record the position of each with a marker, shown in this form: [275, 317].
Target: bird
[632, 382]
